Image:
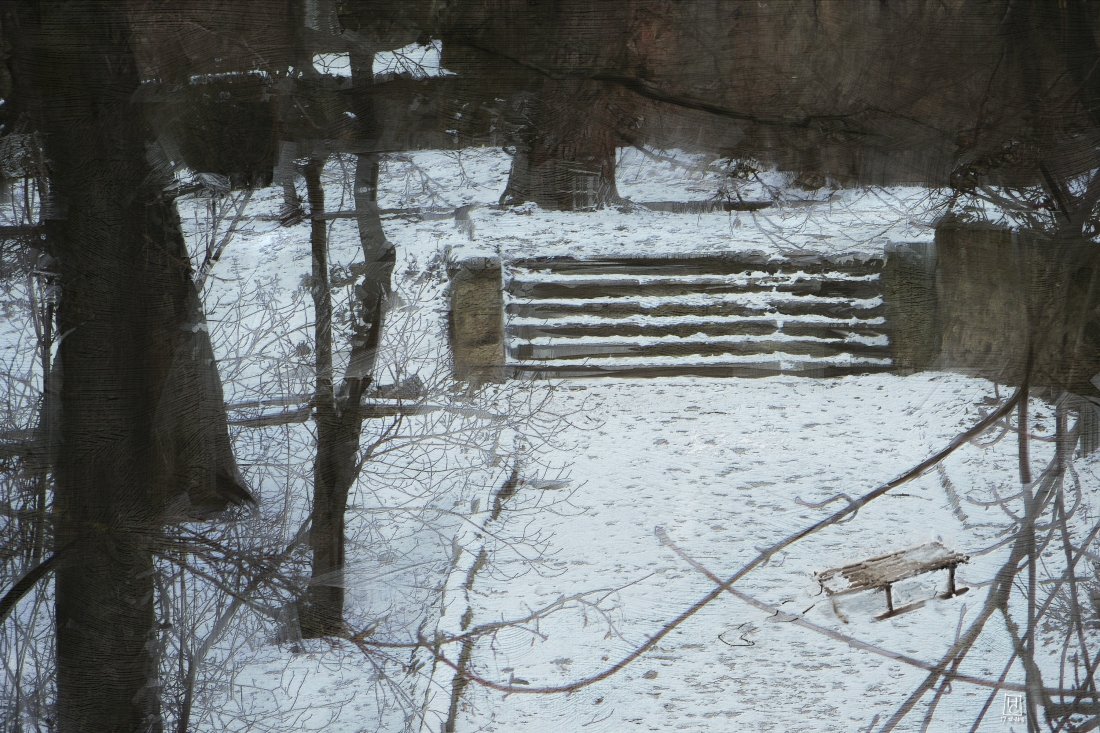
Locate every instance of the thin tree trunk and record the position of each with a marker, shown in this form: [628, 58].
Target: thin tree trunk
[378, 256]
[322, 612]
[42, 471]
[338, 412]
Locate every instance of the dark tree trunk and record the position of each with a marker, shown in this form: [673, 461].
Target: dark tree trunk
[568, 57]
[122, 284]
[338, 413]
[321, 612]
[127, 357]
[565, 152]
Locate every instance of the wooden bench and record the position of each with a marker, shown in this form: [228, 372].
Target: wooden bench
[880, 573]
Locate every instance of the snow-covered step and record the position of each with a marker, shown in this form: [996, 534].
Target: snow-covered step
[697, 306]
[703, 366]
[559, 349]
[699, 265]
[636, 327]
[754, 274]
[614, 286]
[741, 316]
[581, 319]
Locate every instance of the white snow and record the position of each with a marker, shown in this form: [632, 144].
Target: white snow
[720, 467]
[782, 360]
[415, 60]
[333, 64]
[521, 275]
[770, 318]
[702, 338]
[761, 300]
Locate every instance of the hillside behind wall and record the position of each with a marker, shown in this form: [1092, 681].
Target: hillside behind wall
[1001, 292]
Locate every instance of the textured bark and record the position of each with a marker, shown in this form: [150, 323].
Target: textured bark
[338, 412]
[135, 384]
[863, 90]
[565, 147]
[565, 152]
[122, 285]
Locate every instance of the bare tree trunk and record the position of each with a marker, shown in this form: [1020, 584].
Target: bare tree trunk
[322, 612]
[41, 479]
[566, 146]
[378, 256]
[338, 413]
[565, 152]
[118, 278]
[138, 440]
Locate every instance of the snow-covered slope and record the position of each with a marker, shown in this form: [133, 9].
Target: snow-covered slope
[581, 569]
[719, 467]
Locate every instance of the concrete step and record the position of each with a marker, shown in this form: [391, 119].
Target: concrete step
[717, 370]
[634, 307]
[704, 316]
[701, 265]
[567, 349]
[593, 289]
[674, 327]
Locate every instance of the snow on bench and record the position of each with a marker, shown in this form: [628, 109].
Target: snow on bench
[880, 573]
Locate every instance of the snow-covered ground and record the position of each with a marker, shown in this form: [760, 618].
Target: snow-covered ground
[718, 468]
[726, 467]
[722, 467]
[855, 221]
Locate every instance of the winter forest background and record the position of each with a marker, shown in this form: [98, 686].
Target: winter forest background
[498, 365]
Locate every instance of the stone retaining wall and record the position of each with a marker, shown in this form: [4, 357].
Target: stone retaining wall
[1002, 293]
[912, 311]
[477, 319]
[976, 301]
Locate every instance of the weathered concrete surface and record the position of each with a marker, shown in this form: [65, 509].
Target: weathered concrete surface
[912, 307]
[1004, 293]
[477, 319]
[982, 303]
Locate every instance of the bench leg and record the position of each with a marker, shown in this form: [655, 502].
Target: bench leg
[889, 599]
[951, 582]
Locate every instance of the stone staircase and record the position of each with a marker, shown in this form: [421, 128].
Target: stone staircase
[708, 316]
